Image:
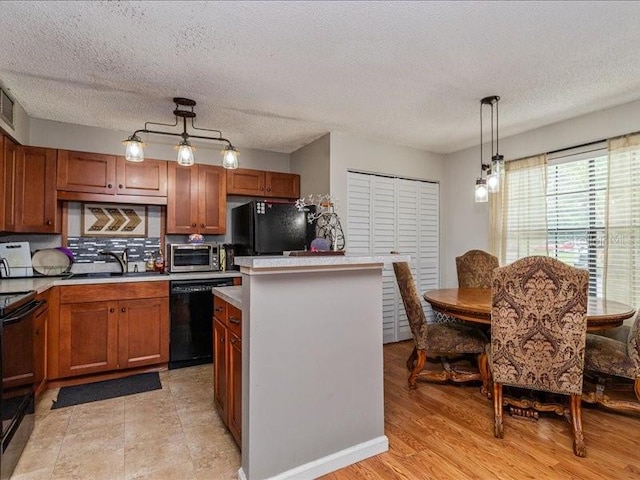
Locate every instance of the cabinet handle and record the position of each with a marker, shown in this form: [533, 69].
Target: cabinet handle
[120, 186]
[234, 320]
[111, 310]
[233, 341]
[221, 339]
[268, 189]
[123, 310]
[109, 185]
[49, 222]
[202, 225]
[193, 224]
[218, 309]
[37, 331]
[261, 189]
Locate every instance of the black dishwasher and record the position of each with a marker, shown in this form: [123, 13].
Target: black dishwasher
[191, 341]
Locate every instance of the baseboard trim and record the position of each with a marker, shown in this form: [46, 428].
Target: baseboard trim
[332, 462]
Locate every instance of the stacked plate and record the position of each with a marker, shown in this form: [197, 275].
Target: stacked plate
[51, 261]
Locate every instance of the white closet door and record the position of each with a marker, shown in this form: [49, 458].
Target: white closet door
[387, 214]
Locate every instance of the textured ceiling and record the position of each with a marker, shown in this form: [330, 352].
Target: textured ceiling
[276, 75]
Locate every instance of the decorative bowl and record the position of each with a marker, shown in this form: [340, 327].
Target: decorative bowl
[195, 238]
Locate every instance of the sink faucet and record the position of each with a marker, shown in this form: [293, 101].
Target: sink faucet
[123, 259]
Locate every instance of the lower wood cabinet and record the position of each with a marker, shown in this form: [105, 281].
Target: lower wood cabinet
[227, 365]
[106, 327]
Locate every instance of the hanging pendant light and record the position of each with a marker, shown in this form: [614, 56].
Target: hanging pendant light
[494, 166]
[134, 151]
[230, 157]
[185, 154]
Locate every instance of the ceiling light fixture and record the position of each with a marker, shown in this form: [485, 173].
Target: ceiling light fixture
[134, 151]
[494, 167]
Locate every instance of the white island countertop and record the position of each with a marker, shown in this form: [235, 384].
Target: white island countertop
[274, 262]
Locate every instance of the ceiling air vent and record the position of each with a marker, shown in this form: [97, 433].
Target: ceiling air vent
[6, 107]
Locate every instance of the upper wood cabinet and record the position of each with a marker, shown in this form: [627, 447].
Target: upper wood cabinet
[258, 183]
[84, 176]
[196, 199]
[30, 189]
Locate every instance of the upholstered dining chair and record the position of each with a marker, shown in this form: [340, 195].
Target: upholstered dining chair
[436, 340]
[615, 357]
[538, 331]
[475, 269]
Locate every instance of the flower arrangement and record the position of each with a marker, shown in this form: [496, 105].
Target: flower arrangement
[327, 221]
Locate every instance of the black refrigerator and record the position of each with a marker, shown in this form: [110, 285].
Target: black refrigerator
[270, 228]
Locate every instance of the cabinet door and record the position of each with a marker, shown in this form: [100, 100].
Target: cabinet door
[243, 181]
[220, 368]
[143, 332]
[86, 172]
[10, 172]
[35, 195]
[148, 178]
[39, 358]
[212, 200]
[235, 387]
[182, 199]
[282, 185]
[88, 338]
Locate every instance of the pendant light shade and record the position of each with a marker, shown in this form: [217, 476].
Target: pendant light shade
[230, 157]
[134, 151]
[494, 166]
[185, 154]
[482, 192]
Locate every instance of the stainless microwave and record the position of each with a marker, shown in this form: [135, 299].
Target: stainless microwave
[193, 257]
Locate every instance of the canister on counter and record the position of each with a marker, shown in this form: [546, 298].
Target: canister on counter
[223, 259]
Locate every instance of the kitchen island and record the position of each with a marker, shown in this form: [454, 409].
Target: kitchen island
[312, 378]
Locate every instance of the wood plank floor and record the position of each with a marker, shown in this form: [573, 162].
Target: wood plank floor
[446, 432]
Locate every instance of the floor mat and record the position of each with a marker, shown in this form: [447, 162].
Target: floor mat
[92, 392]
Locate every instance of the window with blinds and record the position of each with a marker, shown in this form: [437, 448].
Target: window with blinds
[576, 200]
[581, 206]
[387, 214]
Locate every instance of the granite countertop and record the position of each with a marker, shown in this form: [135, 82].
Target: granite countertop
[232, 295]
[41, 284]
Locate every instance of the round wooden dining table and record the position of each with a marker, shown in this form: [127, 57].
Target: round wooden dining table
[474, 305]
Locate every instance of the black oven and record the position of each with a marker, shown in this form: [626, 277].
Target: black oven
[17, 312]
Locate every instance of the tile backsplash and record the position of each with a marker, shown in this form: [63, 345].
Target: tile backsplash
[87, 249]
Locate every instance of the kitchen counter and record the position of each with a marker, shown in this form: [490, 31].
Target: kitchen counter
[232, 295]
[41, 284]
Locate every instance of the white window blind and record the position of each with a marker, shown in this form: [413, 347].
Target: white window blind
[590, 217]
[392, 214]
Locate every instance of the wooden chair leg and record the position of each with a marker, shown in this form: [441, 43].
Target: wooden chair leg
[411, 361]
[579, 447]
[419, 366]
[485, 372]
[498, 427]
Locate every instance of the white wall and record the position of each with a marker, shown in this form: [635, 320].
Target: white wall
[466, 223]
[312, 163]
[47, 133]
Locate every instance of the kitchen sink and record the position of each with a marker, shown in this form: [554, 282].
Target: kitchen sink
[75, 276]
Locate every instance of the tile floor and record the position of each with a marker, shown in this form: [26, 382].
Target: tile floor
[169, 434]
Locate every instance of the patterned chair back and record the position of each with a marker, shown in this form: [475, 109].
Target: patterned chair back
[633, 342]
[539, 325]
[475, 269]
[412, 304]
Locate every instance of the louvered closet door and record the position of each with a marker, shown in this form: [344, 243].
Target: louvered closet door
[386, 214]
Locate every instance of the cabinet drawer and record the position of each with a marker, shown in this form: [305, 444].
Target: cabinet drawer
[234, 319]
[220, 309]
[113, 291]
